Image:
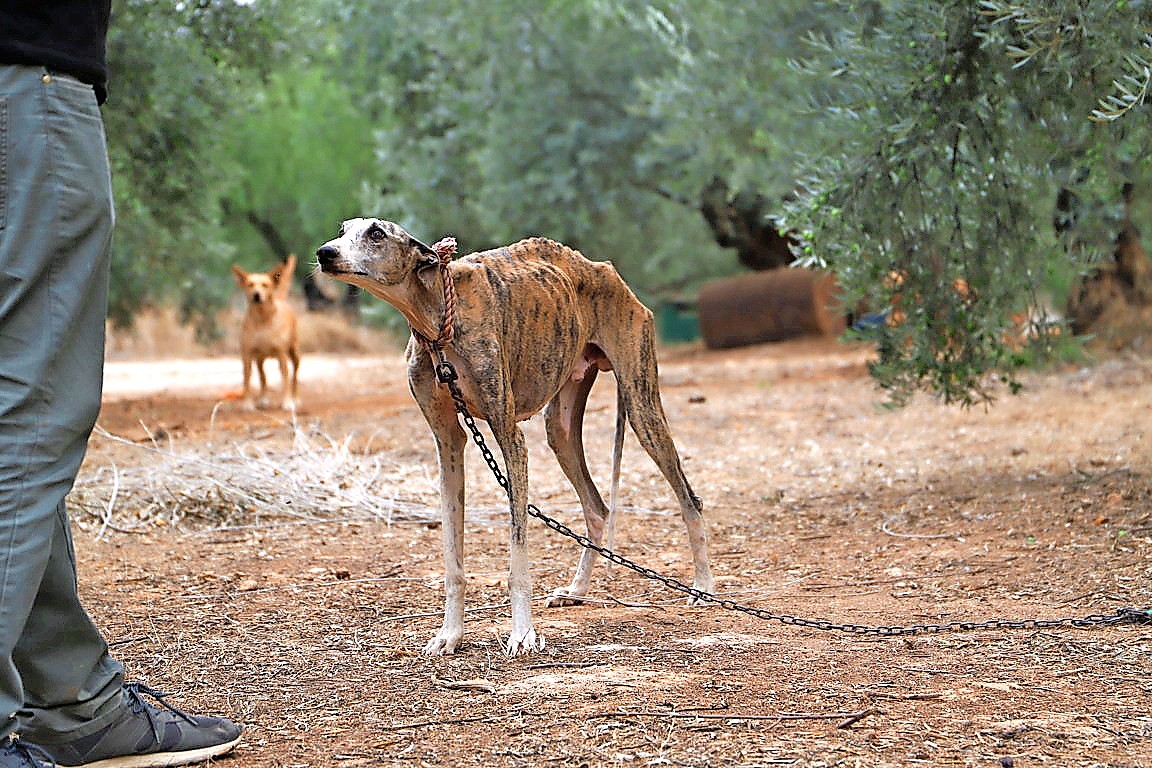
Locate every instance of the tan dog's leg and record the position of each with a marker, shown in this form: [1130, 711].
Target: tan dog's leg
[450, 442]
[246, 397]
[288, 382]
[262, 400]
[294, 357]
[564, 421]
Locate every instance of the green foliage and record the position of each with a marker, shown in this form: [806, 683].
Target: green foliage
[936, 204]
[176, 73]
[301, 152]
[916, 147]
[726, 103]
[510, 120]
[1130, 90]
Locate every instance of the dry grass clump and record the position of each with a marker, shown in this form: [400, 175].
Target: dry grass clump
[159, 333]
[244, 484]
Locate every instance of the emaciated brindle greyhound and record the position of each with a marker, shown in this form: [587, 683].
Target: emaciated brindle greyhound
[534, 323]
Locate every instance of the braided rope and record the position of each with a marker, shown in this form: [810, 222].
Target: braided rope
[444, 249]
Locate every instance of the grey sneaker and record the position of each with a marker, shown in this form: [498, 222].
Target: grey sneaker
[148, 735]
[15, 753]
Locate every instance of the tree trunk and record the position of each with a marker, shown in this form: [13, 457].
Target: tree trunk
[1114, 301]
[742, 222]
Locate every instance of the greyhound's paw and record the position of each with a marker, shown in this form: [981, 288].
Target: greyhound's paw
[289, 405]
[524, 643]
[701, 587]
[444, 644]
[562, 598]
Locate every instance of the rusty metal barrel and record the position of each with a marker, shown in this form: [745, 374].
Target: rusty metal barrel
[772, 305]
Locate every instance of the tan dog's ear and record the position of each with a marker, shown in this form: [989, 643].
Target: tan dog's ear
[240, 275]
[282, 275]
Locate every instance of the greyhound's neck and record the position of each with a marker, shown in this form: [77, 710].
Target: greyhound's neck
[420, 299]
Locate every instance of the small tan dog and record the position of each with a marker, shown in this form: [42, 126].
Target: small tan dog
[269, 330]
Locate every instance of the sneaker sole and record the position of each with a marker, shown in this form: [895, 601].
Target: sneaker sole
[162, 759]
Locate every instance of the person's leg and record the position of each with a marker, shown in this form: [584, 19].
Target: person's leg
[55, 227]
[71, 685]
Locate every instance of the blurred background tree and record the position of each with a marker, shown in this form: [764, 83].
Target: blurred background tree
[950, 132]
[180, 72]
[917, 149]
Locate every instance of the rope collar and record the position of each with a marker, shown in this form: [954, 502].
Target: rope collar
[443, 249]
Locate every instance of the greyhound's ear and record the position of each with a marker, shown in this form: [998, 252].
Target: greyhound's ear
[425, 249]
[240, 275]
[431, 258]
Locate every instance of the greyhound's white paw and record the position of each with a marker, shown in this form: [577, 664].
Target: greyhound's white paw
[289, 404]
[563, 598]
[702, 587]
[444, 644]
[524, 643]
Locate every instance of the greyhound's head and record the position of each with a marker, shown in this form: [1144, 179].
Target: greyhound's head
[370, 252]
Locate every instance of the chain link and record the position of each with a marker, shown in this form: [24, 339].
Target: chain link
[446, 374]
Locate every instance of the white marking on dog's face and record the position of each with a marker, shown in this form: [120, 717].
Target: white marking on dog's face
[370, 251]
[260, 288]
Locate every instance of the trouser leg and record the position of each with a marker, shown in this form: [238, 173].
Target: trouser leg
[71, 684]
[55, 229]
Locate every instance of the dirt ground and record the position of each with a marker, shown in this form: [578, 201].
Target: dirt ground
[305, 621]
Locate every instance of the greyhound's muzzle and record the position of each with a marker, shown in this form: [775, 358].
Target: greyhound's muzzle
[327, 256]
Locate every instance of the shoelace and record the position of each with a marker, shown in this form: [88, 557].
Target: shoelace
[133, 690]
[32, 753]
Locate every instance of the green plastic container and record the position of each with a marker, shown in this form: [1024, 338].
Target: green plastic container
[677, 322]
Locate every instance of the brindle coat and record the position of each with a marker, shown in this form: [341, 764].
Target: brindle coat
[535, 322]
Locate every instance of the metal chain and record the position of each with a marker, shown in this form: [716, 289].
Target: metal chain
[446, 374]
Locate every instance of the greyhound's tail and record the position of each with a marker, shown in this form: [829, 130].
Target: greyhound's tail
[617, 453]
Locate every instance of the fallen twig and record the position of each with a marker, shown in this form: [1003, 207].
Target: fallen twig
[454, 721]
[782, 716]
[884, 527]
[111, 506]
[903, 696]
[300, 585]
[498, 718]
[484, 686]
[851, 721]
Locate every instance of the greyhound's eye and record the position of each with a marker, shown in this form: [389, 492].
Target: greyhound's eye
[375, 233]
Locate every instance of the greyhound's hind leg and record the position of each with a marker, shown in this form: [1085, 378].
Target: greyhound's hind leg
[564, 421]
[641, 394]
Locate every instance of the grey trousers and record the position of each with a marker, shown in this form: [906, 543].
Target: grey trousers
[56, 217]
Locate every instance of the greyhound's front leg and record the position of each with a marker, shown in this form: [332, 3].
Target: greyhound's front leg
[450, 450]
[523, 639]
